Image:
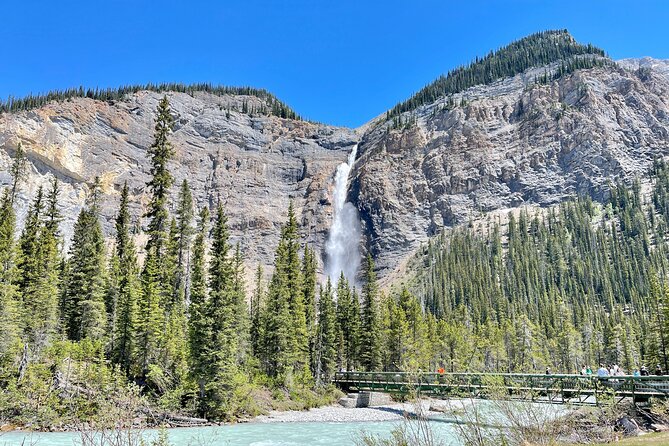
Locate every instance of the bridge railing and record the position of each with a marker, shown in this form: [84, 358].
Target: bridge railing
[558, 385]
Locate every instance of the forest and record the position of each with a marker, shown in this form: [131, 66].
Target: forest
[169, 321]
[579, 284]
[535, 50]
[272, 107]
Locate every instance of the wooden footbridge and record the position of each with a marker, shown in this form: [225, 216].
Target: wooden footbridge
[556, 389]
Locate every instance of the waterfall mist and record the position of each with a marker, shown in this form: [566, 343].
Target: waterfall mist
[343, 245]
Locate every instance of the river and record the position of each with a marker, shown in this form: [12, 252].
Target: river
[249, 434]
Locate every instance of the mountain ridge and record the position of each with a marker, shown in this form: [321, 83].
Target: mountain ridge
[517, 140]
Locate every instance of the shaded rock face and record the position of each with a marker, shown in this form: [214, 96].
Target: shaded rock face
[255, 165]
[508, 144]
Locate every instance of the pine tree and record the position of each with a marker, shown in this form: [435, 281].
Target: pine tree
[326, 338]
[309, 294]
[160, 152]
[256, 315]
[38, 276]
[9, 328]
[286, 343]
[85, 313]
[17, 171]
[198, 323]
[221, 314]
[348, 324]
[125, 311]
[370, 342]
[150, 317]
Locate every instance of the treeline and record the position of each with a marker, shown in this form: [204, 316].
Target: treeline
[272, 106]
[535, 50]
[578, 284]
[177, 325]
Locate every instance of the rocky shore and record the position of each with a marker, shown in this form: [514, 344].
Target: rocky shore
[338, 414]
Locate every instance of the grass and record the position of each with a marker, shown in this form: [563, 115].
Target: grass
[655, 439]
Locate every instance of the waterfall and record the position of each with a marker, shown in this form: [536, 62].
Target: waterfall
[342, 248]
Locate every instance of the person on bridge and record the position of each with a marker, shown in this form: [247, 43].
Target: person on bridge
[658, 370]
[548, 371]
[589, 371]
[584, 371]
[602, 371]
[636, 372]
[643, 371]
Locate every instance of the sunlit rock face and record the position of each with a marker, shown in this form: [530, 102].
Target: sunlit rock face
[508, 144]
[503, 145]
[254, 165]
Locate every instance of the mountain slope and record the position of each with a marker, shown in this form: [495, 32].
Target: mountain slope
[514, 142]
[254, 163]
[568, 121]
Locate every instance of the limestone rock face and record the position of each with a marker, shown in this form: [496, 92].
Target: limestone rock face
[255, 165]
[511, 143]
[508, 144]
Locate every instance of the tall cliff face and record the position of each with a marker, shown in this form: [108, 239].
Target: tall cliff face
[510, 143]
[507, 144]
[255, 165]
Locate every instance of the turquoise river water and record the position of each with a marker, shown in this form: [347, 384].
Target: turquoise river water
[249, 434]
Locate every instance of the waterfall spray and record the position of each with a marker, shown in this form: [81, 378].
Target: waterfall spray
[342, 248]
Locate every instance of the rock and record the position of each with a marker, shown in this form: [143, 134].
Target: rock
[514, 143]
[508, 144]
[628, 425]
[657, 427]
[255, 165]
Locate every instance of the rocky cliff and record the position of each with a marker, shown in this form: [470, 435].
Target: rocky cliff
[511, 143]
[254, 164]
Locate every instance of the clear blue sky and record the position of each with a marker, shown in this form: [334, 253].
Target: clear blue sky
[337, 61]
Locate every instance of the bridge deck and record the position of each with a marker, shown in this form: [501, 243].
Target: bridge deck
[575, 389]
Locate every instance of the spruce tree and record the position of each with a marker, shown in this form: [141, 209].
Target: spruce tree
[309, 297]
[38, 275]
[85, 312]
[256, 315]
[286, 343]
[370, 341]
[17, 171]
[221, 314]
[198, 323]
[160, 152]
[326, 337]
[9, 328]
[123, 347]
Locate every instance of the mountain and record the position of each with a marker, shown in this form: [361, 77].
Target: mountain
[536, 122]
[254, 163]
[513, 142]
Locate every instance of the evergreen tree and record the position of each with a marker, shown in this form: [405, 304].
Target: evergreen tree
[309, 294]
[221, 314]
[198, 323]
[9, 328]
[17, 171]
[256, 315]
[286, 343]
[84, 306]
[348, 324]
[160, 152]
[125, 308]
[326, 338]
[370, 342]
[38, 276]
